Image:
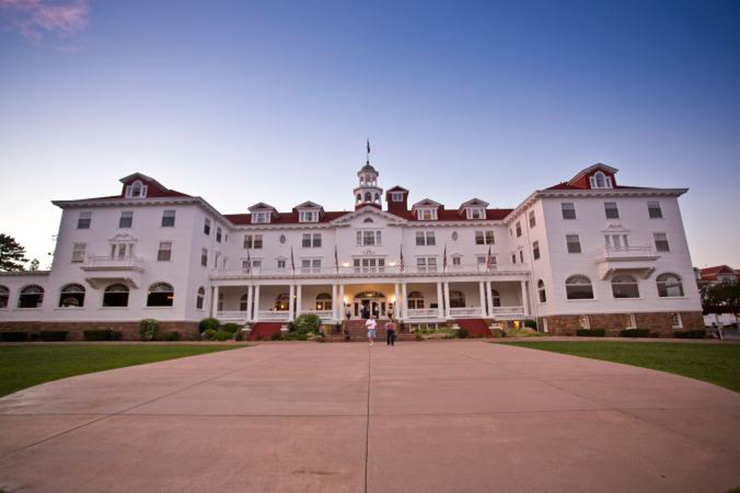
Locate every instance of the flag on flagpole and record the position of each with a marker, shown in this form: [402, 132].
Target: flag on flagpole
[336, 259]
[368, 147]
[488, 260]
[249, 263]
[292, 260]
[444, 259]
[401, 264]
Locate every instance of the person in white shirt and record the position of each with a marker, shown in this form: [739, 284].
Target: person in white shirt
[371, 324]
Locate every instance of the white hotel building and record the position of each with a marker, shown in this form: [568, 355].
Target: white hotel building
[583, 253]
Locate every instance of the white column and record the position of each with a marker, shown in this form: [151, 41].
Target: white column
[525, 298]
[335, 303]
[214, 302]
[250, 298]
[291, 304]
[396, 306]
[448, 313]
[341, 301]
[489, 297]
[440, 300]
[404, 305]
[256, 303]
[299, 300]
[482, 289]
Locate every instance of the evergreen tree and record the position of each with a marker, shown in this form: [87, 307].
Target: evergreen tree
[12, 255]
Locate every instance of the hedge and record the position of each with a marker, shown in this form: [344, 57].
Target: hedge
[591, 332]
[208, 324]
[231, 328]
[53, 335]
[690, 334]
[634, 333]
[98, 335]
[13, 336]
[148, 329]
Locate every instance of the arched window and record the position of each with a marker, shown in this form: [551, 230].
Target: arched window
[160, 294]
[368, 220]
[624, 286]
[541, 291]
[415, 300]
[368, 197]
[136, 189]
[579, 288]
[200, 298]
[72, 295]
[377, 197]
[600, 180]
[116, 295]
[495, 297]
[669, 286]
[282, 302]
[323, 301]
[4, 297]
[31, 297]
[359, 197]
[243, 302]
[457, 299]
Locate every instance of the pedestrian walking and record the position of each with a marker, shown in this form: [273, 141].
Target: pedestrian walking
[371, 325]
[390, 329]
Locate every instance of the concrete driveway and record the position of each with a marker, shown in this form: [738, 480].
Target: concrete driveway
[428, 417]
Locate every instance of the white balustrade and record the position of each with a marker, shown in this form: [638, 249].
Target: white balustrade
[423, 313]
[226, 315]
[273, 316]
[463, 312]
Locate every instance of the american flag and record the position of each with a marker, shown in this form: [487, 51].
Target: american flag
[368, 147]
[249, 263]
[444, 259]
[488, 259]
[336, 259]
[401, 265]
[292, 259]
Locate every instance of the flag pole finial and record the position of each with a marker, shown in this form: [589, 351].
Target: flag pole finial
[368, 152]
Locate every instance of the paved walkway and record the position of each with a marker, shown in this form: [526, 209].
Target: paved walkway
[427, 417]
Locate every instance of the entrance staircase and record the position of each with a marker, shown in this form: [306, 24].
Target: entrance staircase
[476, 327]
[263, 331]
[358, 332]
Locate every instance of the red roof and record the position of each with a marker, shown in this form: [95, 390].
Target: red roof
[284, 217]
[711, 273]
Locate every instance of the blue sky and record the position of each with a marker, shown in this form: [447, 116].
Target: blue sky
[241, 101]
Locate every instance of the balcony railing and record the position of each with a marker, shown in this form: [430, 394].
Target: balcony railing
[273, 316]
[422, 312]
[464, 312]
[231, 316]
[626, 253]
[93, 262]
[504, 311]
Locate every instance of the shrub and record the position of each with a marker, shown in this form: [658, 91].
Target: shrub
[590, 332]
[231, 328]
[634, 333]
[208, 334]
[239, 336]
[295, 336]
[53, 335]
[221, 335]
[148, 329]
[208, 324]
[98, 334]
[690, 334]
[116, 335]
[462, 333]
[308, 322]
[13, 336]
[530, 324]
[275, 336]
[173, 336]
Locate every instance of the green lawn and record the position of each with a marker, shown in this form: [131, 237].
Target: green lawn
[24, 366]
[714, 363]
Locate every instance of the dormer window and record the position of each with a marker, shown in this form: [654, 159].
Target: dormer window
[601, 180]
[261, 217]
[427, 214]
[136, 190]
[308, 216]
[476, 213]
[397, 196]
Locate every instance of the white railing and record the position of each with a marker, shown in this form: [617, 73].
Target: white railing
[631, 252]
[103, 262]
[231, 315]
[322, 314]
[507, 310]
[273, 316]
[468, 311]
[422, 312]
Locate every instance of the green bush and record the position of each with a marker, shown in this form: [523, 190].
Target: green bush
[530, 324]
[53, 335]
[98, 334]
[148, 329]
[590, 332]
[13, 336]
[116, 335]
[634, 333]
[462, 333]
[690, 334]
[208, 334]
[173, 336]
[221, 335]
[306, 323]
[208, 324]
[239, 336]
[295, 336]
[231, 328]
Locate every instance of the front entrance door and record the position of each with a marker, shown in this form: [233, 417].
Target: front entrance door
[370, 303]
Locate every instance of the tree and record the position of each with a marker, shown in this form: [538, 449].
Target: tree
[34, 265]
[12, 255]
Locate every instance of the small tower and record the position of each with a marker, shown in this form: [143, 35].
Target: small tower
[368, 192]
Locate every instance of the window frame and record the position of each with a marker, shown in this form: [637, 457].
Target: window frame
[566, 208]
[611, 208]
[655, 210]
[126, 215]
[568, 244]
[573, 293]
[164, 254]
[84, 220]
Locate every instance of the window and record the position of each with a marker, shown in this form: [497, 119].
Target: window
[252, 241]
[78, 252]
[625, 286]
[426, 264]
[369, 238]
[31, 297]
[601, 180]
[518, 229]
[168, 219]
[661, 242]
[457, 299]
[218, 234]
[536, 250]
[616, 242]
[4, 297]
[165, 251]
[160, 294]
[584, 322]
[476, 213]
[456, 261]
[495, 298]
[569, 210]
[579, 288]
[136, 190]
[83, 222]
[365, 265]
[262, 217]
[513, 258]
[308, 216]
[204, 257]
[116, 295]
[425, 238]
[676, 322]
[427, 214]
[484, 237]
[281, 263]
[323, 302]
[415, 301]
[121, 251]
[282, 302]
[610, 210]
[243, 302]
[207, 227]
[532, 220]
[126, 220]
[541, 291]
[200, 298]
[72, 295]
[309, 265]
[311, 240]
[654, 210]
[669, 286]
[397, 196]
[521, 256]
[574, 244]
[631, 321]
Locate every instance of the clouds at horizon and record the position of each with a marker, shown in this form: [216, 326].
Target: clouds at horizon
[34, 19]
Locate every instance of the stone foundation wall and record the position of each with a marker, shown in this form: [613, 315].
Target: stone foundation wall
[659, 322]
[129, 330]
